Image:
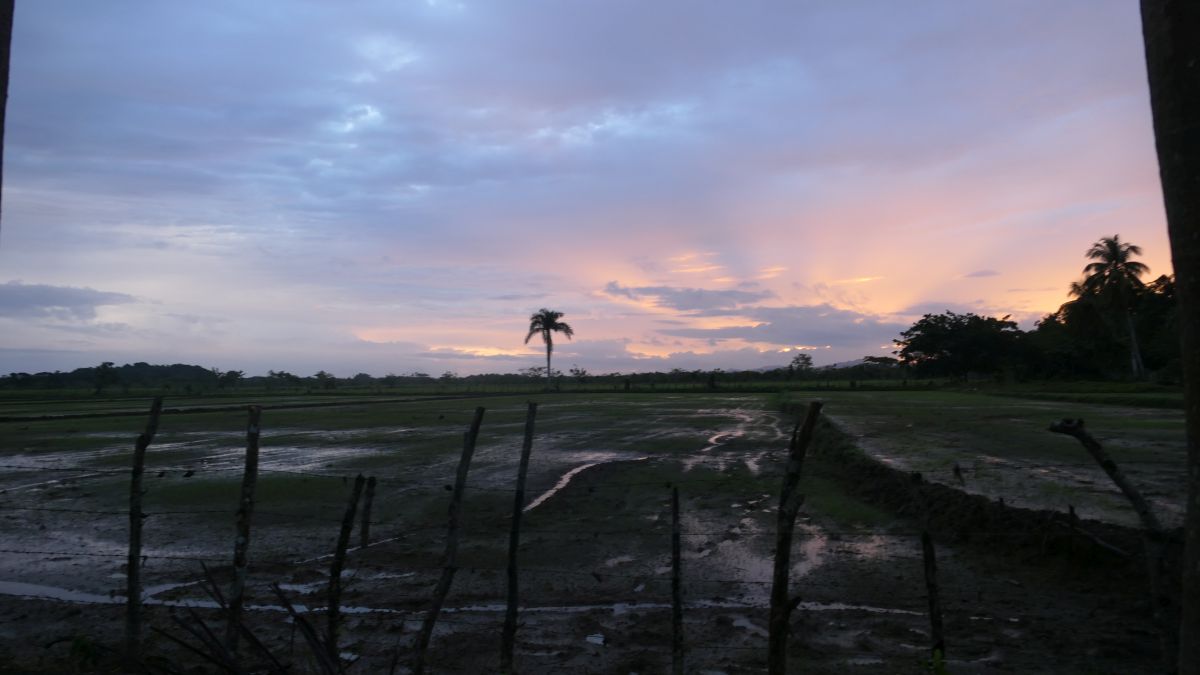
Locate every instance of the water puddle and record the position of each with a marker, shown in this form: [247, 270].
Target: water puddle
[42, 592]
[566, 479]
[745, 623]
[304, 589]
[56, 481]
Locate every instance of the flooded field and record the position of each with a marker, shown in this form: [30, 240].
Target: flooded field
[1003, 449]
[595, 581]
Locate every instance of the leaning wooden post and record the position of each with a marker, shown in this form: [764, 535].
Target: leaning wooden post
[676, 588]
[509, 636]
[335, 570]
[789, 505]
[242, 543]
[450, 557]
[133, 572]
[364, 530]
[1154, 538]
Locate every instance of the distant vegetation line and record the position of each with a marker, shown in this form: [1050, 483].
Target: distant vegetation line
[1115, 328]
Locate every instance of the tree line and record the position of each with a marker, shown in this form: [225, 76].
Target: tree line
[1114, 327]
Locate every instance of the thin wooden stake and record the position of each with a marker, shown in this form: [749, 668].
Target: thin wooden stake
[789, 505]
[450, 557]
[508, 638]
[133, 573]
[319, 651]
[365, 529]
[242, 543]
[1154, 538]
[935, 605]
[335, 571]
[676, 588]
[937, 639]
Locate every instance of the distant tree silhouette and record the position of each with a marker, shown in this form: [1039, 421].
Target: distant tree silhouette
[283, 377]
[546, 322]
[959, 344]
[106, 375]
[325, 380]
[1114, 281]
[230, 378]
[801, 363]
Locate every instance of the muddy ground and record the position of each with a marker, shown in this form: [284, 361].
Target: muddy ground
[1003, 449]
[595, 554]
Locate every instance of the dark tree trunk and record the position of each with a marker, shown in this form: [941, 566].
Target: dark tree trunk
[549, 348]
[1171, 29]
[1135, 353]
[6, 26]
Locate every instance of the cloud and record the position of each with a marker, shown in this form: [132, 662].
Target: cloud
[695, 300]
[979, 306]
[979, 274]
[815, 325]
[440, 169]
[61, 303]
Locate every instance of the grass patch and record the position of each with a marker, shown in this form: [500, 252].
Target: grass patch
[825, 497]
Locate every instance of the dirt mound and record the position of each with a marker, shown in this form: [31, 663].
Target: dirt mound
[977, 522]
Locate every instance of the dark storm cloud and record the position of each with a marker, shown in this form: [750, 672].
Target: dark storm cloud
[816, 325]
[697, 300]
[64, 303]
[346, 111]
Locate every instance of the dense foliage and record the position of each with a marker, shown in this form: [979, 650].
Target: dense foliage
[1084, 339]
[955, 345]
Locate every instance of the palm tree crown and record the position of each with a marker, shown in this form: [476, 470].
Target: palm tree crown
[1115, 279]
[546, 322]
[1114, 273]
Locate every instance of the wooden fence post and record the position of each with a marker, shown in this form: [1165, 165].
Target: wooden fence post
[937, 640]
[789, 505]
[509, 636]
[133, 572]
[241, 543]
[335, 570]
[365, 530]
[450, 557]
[1154, 538]
[677, 655]
[937, 637]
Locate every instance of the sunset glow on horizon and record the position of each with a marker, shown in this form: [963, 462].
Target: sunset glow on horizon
[396, 187]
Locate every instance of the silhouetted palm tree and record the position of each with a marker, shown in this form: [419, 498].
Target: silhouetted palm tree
[1114, 279]
[546, 322]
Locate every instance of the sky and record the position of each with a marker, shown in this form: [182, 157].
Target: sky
[394, 187]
